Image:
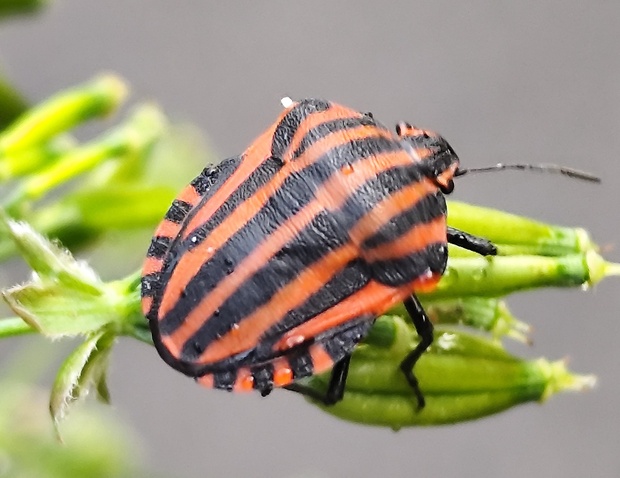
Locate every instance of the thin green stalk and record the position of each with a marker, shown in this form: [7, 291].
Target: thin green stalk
[14, 326]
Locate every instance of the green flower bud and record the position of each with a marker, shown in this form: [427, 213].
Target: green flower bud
[488, 314]
[61, 112]
[516, 234]
[501, 275]
[138, 133]
[463, 377]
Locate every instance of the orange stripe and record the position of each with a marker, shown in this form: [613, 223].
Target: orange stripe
[191, 262]
[189, 195]
[146, 302]
[390, 207]
[252, 159]
[244, 381]
[373, 298]
[445, 177]
[415, 240]
[425, 284]
[321, 360]
[206, 380]
[251, 328]
[309, 281]
[335, 112]
[152, 264]
[334, 192]
[167, 228]
[258, 151]
[282, 372]
[420, 154]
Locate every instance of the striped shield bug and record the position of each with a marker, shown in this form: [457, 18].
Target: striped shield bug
[273, 265]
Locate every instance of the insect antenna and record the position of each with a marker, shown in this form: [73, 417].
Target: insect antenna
[546, 168]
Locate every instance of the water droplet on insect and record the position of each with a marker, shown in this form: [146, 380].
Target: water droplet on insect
[210, 250]
[347, 169]
[183, 293]
[216, 312]
[198, 347]
[479, 274]
[194, 239]
[294, 340]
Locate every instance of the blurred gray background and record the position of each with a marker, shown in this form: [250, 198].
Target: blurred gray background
[521, 81]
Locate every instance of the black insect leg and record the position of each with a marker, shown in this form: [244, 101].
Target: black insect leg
[337, 381]
[424, 328]
[335, 389]
[471, 243]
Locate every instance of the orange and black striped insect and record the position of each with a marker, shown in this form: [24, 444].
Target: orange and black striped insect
[274, 264]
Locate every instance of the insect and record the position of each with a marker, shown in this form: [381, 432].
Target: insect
[274, 264]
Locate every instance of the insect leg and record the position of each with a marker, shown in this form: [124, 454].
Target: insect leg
[335, 389]
[424, 328]
[471, 243]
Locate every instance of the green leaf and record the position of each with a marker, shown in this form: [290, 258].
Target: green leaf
[56, 311]
[50, 261]
[84, 368]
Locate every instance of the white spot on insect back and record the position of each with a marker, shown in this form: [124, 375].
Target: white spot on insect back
[287, 102]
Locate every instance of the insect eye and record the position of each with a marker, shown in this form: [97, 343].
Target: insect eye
[447, 188]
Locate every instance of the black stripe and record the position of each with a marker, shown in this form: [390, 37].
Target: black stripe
[286, 129]
[340, 341]
[209, 181]
[403, 270]
[259, 177]
[205, 180]
[301, 363]
[178, 211]
[159, 246]
[215, 177]
[222, 262]
[324, 129]
[321, 236]
[225, 380]
[325, 233]
[423, 140]
[263, 377]
[344, 284]
[427, 209]
[296, 191]
[150, 284]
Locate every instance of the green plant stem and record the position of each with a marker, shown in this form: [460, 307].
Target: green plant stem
[13, 326]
